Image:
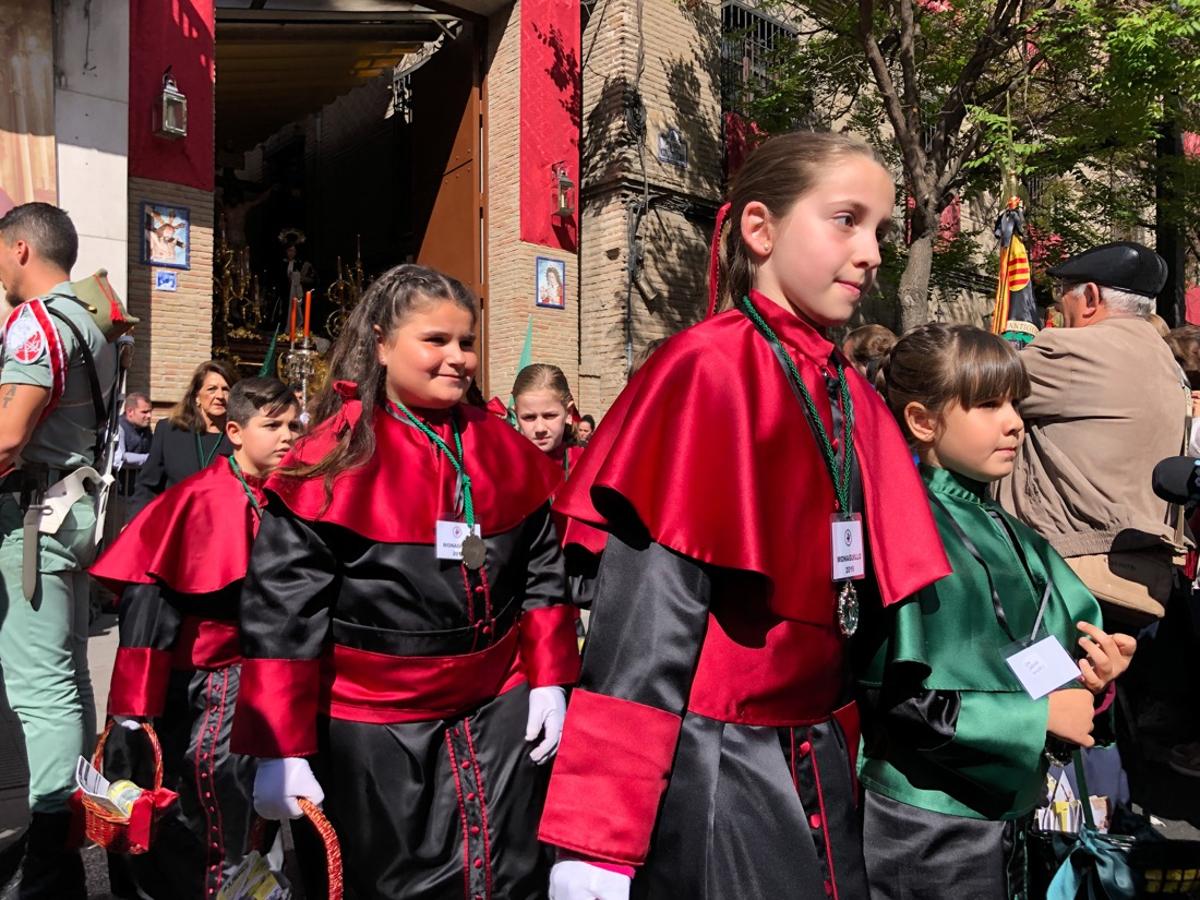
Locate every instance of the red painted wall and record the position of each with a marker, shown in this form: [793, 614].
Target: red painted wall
[551, 105]
[180, 34]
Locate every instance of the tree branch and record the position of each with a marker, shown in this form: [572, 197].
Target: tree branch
[911, 150]
[908, 66]
[997, 39]
[955, 163]
[1006, 84]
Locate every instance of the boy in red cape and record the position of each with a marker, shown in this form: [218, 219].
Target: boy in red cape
[179, 568]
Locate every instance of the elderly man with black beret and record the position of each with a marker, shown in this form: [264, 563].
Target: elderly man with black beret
[1108, 403]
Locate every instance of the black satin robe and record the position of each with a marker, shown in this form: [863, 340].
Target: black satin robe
[441, 806]
[749, 811]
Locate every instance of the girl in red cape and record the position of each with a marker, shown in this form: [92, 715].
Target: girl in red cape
[404, 621]
[546, 412]
[756, 493]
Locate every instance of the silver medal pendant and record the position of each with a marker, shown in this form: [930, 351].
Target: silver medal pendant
[474, 552]
[847, 609]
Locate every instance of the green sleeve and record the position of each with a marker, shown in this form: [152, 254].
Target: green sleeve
[998, 740]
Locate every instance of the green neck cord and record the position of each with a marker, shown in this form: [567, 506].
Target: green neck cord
[841, 480]
[456, 461]
[237, 470]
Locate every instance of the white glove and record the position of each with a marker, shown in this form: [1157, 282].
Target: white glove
[573, 879]
[128, 723]
[547, 710]
[277, 784]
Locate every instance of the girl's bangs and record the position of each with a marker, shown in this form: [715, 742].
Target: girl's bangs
[988, 369]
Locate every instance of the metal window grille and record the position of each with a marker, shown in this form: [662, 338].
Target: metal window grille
[748, 38]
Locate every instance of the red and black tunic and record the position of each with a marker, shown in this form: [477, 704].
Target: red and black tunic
[179, 568]
[710, 742]
[406, 677]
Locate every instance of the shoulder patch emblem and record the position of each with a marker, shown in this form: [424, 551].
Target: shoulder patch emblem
[25, 341]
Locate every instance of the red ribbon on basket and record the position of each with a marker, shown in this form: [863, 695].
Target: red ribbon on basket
[145, 808]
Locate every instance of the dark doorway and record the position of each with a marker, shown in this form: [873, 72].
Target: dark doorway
[328, 138]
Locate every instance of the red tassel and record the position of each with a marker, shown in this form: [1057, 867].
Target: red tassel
[714, 261]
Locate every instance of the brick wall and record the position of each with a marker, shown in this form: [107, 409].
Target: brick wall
[679, 85]
[511, 262]
[175, 333]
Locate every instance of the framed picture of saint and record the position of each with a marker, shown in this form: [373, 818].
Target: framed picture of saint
[551, 284]
[166, 235]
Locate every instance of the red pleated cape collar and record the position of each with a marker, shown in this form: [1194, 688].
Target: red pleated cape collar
[709, 449]
[401, 492]
[194, 538]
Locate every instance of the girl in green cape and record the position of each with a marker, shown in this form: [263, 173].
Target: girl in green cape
[967, 681]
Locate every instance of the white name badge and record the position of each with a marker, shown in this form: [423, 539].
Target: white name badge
[450, 537]
[846, 541]
[1043, 666]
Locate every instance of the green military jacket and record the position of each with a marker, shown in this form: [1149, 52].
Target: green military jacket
[943, 651]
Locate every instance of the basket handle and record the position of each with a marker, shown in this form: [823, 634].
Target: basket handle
[333, 850]
[148, 729]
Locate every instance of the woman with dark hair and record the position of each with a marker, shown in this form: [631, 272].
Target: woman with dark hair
[191, 437]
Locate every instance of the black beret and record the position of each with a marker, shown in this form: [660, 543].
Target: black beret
[1123, 265]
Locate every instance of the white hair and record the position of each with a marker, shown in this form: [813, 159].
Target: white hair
[1126, 303]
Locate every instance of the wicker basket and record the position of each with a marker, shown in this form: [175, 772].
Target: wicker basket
[333, 850]
[112, 832]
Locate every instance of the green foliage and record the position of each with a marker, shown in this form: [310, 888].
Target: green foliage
[1067, 94]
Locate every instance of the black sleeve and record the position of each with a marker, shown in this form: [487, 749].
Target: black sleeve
[149, 628]
[649, 620]
[915, 718]
[649, 617]
[549, 646]
[147, 618]
[152, 478]
[546, 579]
[289, 591]
[286, 611]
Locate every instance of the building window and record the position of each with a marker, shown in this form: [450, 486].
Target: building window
[748, 39]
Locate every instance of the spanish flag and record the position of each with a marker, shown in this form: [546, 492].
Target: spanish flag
[1015, 314]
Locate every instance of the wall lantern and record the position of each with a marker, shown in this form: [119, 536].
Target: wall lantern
[170, 120]
[563, 188]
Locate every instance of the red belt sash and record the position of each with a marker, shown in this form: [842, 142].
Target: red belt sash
[364, 686]
[780, 673]
[206, 644]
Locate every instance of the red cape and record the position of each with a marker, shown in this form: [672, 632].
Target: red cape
[398, 495]
[195, 537]
[573, 532]
[710, 449]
